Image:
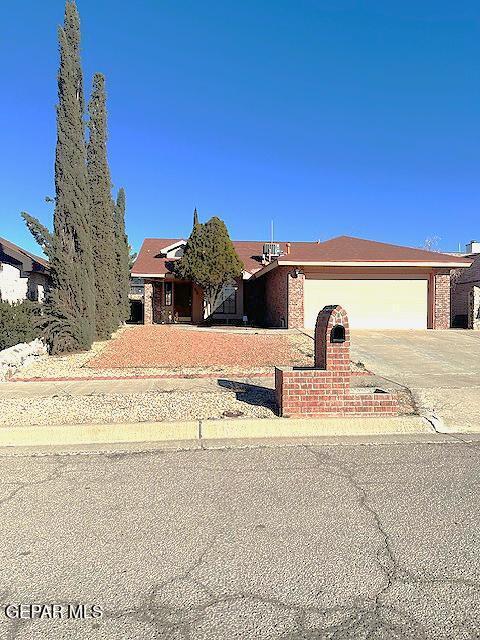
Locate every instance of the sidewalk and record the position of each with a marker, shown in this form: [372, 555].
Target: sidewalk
[94, 386]
[119, 386]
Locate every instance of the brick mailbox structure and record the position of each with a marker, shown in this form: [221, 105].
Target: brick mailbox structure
[324, 390]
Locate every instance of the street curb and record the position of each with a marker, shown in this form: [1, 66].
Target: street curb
[208, 430]
[311, 427]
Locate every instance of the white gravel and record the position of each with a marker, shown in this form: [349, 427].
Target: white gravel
[141, 407]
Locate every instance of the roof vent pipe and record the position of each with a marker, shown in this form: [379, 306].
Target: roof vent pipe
[287, 248]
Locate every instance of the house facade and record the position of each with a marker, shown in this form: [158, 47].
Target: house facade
[465, 282]
[23, 275]
[286, 284]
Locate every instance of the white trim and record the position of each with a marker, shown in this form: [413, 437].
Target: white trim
[147, 275]
[289, 263]
[303, 263]
[173, 246]
[266, 268]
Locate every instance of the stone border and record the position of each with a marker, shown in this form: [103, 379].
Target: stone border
[14, 358]
[170, 376]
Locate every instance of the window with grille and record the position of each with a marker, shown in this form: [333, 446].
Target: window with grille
[229, 305]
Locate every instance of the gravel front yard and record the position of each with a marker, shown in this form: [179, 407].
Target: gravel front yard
[139, 407]
[176, 346]
[163, 350]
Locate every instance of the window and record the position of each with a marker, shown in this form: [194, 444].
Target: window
[167, 292]
[136, 286]
[229, 304]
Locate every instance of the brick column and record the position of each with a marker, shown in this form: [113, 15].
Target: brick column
[148, 303]
[295, 286]
[325, 389]
[441, 304]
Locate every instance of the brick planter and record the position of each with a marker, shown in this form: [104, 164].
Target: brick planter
[325, 389]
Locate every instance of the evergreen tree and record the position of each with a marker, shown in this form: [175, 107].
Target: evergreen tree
[41, 234]
[195, 217]
[210, 262]
[70, 314]
[101, 214]
[122, 254]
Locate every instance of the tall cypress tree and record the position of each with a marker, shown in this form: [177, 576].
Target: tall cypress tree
[71, 309]
[122, 254]
[101, 213]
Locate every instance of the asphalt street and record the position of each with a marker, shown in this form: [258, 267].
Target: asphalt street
[301, 543]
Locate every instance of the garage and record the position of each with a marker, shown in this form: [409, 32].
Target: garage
[371, 302]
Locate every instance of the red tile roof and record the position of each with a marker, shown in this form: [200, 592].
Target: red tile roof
[337, 250]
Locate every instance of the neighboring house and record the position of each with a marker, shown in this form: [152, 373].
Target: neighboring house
[23, 275]
[381, 286]
[462, 283]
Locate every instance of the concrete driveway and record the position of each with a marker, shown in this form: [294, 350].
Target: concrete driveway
[442, 369]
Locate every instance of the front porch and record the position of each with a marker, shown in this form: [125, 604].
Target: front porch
[171, 301]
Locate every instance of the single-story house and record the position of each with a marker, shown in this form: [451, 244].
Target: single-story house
[285, 284]
[463, 283]
[23, 275]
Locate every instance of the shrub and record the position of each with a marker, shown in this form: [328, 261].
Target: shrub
[18, 323]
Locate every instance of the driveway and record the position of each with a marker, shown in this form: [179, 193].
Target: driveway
[442, 368]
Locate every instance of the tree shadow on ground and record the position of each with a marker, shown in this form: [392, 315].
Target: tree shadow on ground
[251, 393]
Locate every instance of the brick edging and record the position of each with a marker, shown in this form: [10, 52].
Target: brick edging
[165, 376]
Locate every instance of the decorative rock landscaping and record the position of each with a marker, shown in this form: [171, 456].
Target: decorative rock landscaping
[175, 350]
[138, 407]
[18, 356]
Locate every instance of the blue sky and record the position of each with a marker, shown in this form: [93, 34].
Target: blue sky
[331, 117]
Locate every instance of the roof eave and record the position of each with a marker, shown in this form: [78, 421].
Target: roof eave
[362, 263]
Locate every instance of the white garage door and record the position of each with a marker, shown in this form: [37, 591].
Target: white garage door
[370, 303]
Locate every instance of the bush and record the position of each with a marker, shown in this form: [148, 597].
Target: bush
[18, 323]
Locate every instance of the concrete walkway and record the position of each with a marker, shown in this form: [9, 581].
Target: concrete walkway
[125, 386]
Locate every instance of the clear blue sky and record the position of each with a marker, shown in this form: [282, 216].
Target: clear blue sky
[332, 117]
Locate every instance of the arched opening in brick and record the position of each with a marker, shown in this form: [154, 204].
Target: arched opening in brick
[337, 334]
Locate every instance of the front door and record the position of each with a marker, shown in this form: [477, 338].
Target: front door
[182, 301]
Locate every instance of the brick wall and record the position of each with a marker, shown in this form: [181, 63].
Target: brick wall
[462, 281]
[283, 298]
[325, 389]
[295, 300]
[276, 296]
[315, 393]
[441, 306]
